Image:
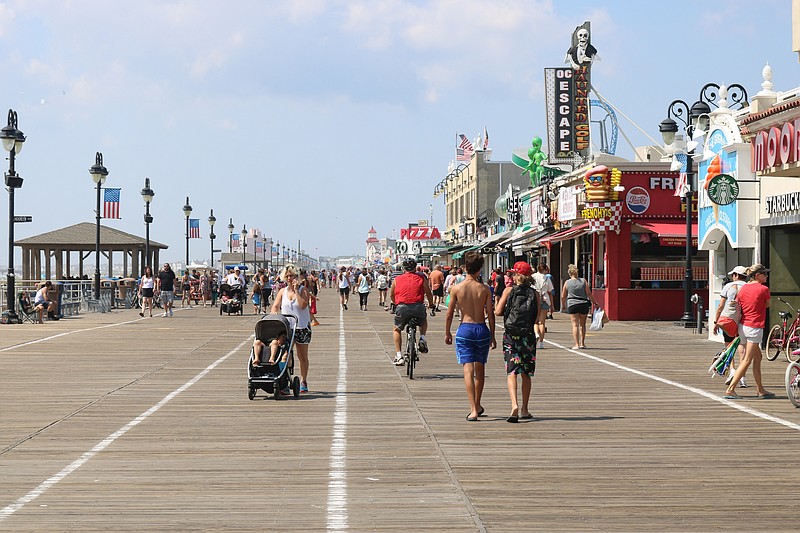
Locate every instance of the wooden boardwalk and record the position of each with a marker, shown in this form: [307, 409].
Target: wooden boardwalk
[116, 423]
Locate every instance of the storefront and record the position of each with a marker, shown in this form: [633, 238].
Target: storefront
[637, 247]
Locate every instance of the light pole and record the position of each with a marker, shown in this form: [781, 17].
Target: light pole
[187, 211]
[211, 221]
[12, 141]
[694, 117]
[230, 237]
[264, 252]
[255, 256]
[98, 173]
[244, 244]
[147, 195]
[283, 255]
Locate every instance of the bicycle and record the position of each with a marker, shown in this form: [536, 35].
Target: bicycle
[784, 338]
[410, 355]
[793, 383]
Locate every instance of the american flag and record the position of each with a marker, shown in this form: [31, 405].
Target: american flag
[683, 183]
[485, 138]
[259, 246]
[235, 240]
[194, 228]
[465, 149]
[111, 203]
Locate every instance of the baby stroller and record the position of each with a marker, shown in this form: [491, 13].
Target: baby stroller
[275, 378]
[230, 299]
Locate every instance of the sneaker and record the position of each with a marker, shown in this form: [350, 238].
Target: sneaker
[398, 360]
[303, 386]
[796, 352]
[170, 312]
[165, 315]
[540, 346]
[423, 346]
[743, 383]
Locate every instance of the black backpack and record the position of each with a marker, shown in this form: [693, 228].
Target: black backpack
[521, 310]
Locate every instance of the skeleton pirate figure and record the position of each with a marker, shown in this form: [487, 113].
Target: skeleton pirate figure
[581, 53]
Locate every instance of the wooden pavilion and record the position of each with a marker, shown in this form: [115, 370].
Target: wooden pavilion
[50, 255]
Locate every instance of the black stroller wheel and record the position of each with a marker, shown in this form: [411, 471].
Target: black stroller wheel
[251, 393]
[296, 386]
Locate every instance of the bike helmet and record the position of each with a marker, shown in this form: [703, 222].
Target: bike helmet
[409, 264]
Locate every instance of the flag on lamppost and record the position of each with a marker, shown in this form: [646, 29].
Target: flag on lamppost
[111, 203]
[235, 240]
[485, 138]
[683, 183]
[194, 228]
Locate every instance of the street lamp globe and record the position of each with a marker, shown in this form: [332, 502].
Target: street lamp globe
[187, 209]
[212, 220]
[147, 192]
[699, 109]
[98, 171]
[668, 129]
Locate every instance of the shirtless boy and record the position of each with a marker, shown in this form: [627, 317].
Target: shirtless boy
[473, 338]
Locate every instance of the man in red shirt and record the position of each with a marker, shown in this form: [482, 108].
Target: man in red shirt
[437, 286]
[408, 294]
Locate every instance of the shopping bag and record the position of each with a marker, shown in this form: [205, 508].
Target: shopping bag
[597, 320]
[728, 325]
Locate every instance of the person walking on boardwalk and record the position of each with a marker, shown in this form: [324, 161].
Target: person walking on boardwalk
[729, 308]
[363, 284]
[166, 286]
[754, 298]
[577, 299]
[382, 282]
[473, 337]
[344, 287]
[520, 307]
[146, 288]
[293, 300]
[545, 288]
[436, 279]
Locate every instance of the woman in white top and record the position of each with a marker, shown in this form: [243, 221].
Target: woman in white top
[146, 286]
[344, 287]
[364, 283]
[293, 300]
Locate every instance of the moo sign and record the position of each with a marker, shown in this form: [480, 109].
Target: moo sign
[777, 146]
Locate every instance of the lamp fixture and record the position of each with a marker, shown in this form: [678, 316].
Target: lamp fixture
[676, 164]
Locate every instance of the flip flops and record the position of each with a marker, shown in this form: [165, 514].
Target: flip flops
[733, 396]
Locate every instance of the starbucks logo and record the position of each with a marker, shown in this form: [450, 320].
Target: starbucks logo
[723, 189]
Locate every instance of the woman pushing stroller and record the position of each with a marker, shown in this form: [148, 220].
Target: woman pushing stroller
[294, 300]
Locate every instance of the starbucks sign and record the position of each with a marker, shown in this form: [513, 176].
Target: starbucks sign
[723, 189]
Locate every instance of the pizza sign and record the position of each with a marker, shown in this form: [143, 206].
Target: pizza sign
[420, 233]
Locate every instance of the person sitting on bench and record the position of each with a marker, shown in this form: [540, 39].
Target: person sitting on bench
[42, 302]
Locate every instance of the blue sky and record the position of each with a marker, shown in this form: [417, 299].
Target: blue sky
[316, 119]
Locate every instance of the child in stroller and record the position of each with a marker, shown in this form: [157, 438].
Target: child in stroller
[277, 346]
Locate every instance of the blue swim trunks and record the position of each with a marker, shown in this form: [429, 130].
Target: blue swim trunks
[472, 343]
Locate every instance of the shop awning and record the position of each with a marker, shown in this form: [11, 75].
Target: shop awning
[665, 229]
[567, 234]
[456, 248]
[496, 238]
[526, 237]
[669, 233]
[460, 253]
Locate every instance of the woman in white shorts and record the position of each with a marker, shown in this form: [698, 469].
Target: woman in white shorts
[754, 298]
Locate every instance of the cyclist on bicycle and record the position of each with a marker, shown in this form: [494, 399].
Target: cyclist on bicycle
[408, 293]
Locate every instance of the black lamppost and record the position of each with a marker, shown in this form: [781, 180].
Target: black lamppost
[694, 118]
[283, 255]
[12, 142]
[264, 252]
[98, 173]
[230, 237]
[187, 211]
[244, 244]
[255, 254]
[211, 221]
[147, 195]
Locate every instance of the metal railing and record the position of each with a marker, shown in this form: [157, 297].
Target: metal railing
[75, 295]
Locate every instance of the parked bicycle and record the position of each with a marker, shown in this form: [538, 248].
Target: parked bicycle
[784, 338]
[793, 383]
[410, 355]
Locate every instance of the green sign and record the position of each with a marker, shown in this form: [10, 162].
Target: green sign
[723, 189]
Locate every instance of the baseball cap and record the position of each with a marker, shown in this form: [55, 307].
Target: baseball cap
[742, 271]
[521, 267]
[758, 268]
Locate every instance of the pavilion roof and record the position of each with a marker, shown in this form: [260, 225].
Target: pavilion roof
[83, 234]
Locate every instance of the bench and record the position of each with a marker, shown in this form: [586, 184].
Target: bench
[70, 308]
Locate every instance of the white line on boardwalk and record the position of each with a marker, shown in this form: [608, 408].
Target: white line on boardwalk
[337, 474]
[105, 443]
[51, 337]
[700, 392]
